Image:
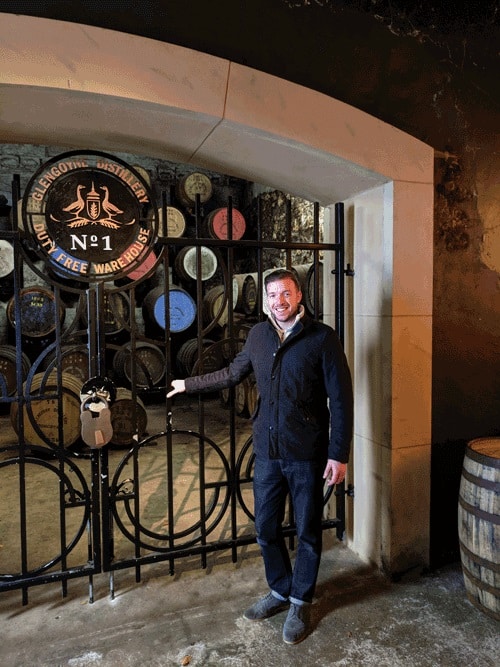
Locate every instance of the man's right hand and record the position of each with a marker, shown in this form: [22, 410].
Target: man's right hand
[178, 387]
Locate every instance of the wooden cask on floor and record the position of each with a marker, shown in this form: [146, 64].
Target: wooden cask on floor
[50, 405]
[479, 524]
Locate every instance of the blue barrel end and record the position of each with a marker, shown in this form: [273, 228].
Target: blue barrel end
[182, 310]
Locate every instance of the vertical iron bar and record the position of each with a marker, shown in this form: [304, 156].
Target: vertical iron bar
[201, 405]
[316, 272]
[260, 264]
[339, 325]
[135, 458]
[103, 507]
[288, 233]
[164, 257]
[89, 557]
[94, 298]
[339, 270]
[137, 512]
[170, 490]
[60, 431]
[288, 264]
[20, 394]
[232, 415]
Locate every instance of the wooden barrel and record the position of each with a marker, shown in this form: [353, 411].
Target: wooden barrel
[129, 419]
[479, 524]
[210, 360]
[247, 293]
[233, 344]
[5, 331]
[38, 319]
[6, 270]
[42, 427]
[216, 304]
[245, 397]
[240, 398]
[191, 362]
[191, 185]
[8, 369]
[145, 268]
[216, 224]
[38, 312]
[186, 355]
[186, 263]
[116, 312]
[224, 396]
[252, 396]
[74, 361]
[115, 315]
[149, 362]
[306, 275]
[241, 330]
[182, 308]
[176, 222]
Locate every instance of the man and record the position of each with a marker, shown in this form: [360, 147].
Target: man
[302, 428]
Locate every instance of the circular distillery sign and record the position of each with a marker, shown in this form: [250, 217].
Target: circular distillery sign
[91, 215]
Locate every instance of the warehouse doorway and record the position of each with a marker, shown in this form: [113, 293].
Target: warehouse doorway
[87, 335]
[146, 97]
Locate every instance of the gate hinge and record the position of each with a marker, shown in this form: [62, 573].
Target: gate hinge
[348, 271]
[349, 491]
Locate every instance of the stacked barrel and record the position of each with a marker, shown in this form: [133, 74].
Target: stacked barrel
[181, 290]
[204, 293]
[199, 293]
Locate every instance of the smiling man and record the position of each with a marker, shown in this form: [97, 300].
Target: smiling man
[302, 429]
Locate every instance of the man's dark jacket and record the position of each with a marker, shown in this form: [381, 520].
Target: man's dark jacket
[294, 380]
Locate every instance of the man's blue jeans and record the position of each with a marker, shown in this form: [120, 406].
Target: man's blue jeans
[273, 478]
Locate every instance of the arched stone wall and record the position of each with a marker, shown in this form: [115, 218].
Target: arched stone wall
[84, 87]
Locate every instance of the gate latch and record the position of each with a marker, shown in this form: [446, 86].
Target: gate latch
[96, 396]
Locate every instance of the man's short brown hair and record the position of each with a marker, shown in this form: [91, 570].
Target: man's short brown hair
[281, 274]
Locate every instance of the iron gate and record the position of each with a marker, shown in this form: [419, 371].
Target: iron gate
[175, 481]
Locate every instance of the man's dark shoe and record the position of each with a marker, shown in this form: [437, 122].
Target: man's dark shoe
[297, 625]
[265, 608]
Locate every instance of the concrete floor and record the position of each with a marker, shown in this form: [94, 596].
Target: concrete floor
[194, 617]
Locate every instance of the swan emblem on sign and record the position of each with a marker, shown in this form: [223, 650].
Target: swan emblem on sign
[93, 209]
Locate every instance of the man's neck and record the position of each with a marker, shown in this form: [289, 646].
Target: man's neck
[289, 324]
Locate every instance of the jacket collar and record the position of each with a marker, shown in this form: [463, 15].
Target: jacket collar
[285, 333]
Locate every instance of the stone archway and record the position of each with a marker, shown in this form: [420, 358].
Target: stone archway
[85, 87]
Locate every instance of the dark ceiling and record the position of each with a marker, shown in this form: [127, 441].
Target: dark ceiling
[221, 26]
[364, 52]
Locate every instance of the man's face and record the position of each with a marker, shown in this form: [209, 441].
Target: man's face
[283, 298]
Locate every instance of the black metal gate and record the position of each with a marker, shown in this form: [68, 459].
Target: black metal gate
[175, 480]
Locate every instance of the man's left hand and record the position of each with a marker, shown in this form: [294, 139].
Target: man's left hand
[334, 472]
